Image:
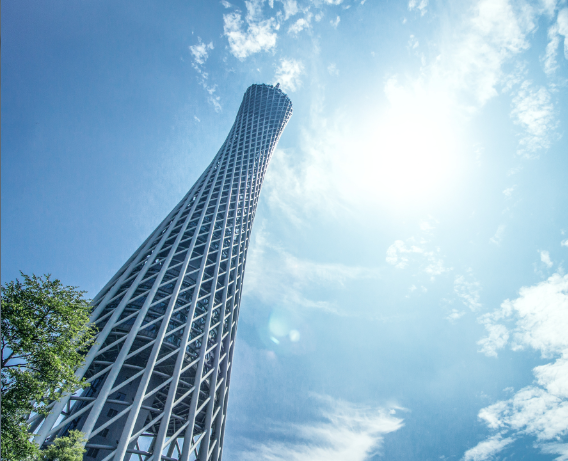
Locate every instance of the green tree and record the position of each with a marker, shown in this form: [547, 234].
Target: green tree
[45, 335]
[69, 448]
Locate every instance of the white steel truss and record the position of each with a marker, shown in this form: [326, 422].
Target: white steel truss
[160, 371]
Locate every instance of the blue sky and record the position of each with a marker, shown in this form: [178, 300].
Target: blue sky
[405, 292]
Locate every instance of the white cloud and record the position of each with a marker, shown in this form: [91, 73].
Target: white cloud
[555, 32]
[498, 237]
[397, 251]
[288, 74]
[467, 291]
[548, 7]
[214, 100]
[486, 449]
[564, 243]
[543, 316]
[298, 188]
[562, 22]
[532, 411]
[412, 42]
[469, 69]
[199, 51]
[545, 258]
[550, 64]
[226, 4]
[200, 54]
[400, 253]
[334, 23]
[300, 25]
[333, 2]
[332, 69]
[349, 431]
[455, 315]
[534, 112]
[509, 191]
[420, 6]
[290, 8]
[540, 316]
[554, 377]
[254, 36]
[326, 173]
[556, 449]
[497, 338]
[494, 32]
[541, 313]
[276, 276]
[428, 225]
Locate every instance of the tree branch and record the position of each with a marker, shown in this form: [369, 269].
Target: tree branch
[4, 362]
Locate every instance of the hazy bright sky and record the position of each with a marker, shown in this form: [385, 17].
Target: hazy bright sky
[405, 290]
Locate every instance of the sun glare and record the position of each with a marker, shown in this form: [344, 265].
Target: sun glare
[410, 152]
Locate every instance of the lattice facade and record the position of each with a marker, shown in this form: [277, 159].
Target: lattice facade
[160, 372]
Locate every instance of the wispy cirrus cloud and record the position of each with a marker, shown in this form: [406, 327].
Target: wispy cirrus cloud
[533, 111]
[200, 53]
[332, 69]
[276, 276]
[550, 63]
[557, 34]
[540, 321]
[335, 22]
[545, 258]
[509, 191]
[349, 431]
[486, 449]
[562, 21]
[418, 5]
[556, 449]
[497, 337]
[499, 233]
[471, 68]
[467, 290]
[418, 252]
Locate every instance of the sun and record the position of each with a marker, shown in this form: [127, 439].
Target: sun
[410, 151]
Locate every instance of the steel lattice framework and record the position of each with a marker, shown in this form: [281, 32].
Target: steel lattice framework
[160, 372]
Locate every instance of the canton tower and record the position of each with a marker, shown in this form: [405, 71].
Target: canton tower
[161, 369]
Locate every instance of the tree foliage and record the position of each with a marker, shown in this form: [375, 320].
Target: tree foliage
[69, 448]
[45, 335]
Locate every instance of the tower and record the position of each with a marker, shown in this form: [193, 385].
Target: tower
[160, 372]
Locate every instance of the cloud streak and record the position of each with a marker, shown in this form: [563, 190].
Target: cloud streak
[349, 431]
[275, 276]
[487, 448]
[533, 111]
[545, 258]
[468, 291]
[200, 53]
[401, 253]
